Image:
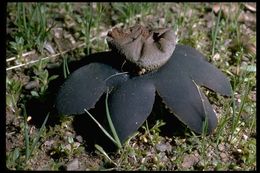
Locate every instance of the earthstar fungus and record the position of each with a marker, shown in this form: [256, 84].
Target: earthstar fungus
[172, 71]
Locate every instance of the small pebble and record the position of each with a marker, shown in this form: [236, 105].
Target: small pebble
[73, 165]
[163, 147]
[189, 161]
[79, 138]
[221, 147]
[224, 157]
[216, 57]
[31, 85]
[49, 48]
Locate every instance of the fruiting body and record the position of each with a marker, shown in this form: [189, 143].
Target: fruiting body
[147, 49]
[131, 97]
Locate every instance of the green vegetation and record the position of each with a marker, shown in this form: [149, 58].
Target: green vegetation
[222, 32]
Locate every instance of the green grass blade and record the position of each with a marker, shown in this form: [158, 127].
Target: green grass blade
[101, 127]
[26, 135]
[67, 67]
[88, 16]
[66, 71]
[222, 124]
[39, 134]
[233, 115]
[215, 32]
[235, 121]
[111, 125]
[100, 149]
[205, 123]
[24, 17]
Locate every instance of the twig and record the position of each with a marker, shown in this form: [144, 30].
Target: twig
[55, 55]
[23, 55]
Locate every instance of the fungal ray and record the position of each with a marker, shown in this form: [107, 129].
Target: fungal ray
[130, 104]
[204, 73]
[84, 87]
[181, 96]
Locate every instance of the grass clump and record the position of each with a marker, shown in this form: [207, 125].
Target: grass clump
[33, 30]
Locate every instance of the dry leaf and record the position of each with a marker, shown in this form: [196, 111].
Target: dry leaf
[216, 57]
[228, 9]
[247, 17]
[251, 6]
[189, 161]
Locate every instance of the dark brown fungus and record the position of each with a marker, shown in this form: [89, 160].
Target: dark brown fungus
[148, 49]
[173, 71]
